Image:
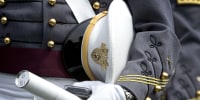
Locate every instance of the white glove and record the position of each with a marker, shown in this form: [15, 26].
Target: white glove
[103, 91]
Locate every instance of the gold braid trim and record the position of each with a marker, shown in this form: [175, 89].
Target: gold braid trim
[85, 42]
[144, 79]
[197, 2]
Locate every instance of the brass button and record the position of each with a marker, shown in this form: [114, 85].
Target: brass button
[4, 20]
[198, 79]
[7, 40]
[165, 75]
[148, 98]
[51, 44]
[198, 93]
[158, 88]
[52, 2]
[96, 5]
[2, 2]
[52, 22]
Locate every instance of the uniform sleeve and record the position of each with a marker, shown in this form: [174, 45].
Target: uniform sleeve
[154, 50]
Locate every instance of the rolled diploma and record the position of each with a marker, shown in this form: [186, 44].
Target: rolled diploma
[41, 87]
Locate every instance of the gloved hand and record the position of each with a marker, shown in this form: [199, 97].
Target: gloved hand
[103, 91]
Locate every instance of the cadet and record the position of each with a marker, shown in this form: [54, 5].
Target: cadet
[33, 33]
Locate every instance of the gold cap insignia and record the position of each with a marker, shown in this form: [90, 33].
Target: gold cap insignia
[100, 55]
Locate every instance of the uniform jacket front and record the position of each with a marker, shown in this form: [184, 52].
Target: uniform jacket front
[32, 33]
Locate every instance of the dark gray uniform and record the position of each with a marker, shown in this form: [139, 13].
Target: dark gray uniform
[154, 51]
[186, 82]
[32, 33]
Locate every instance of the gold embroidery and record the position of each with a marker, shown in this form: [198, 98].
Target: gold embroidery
[142, 76]
[169, 59]
[100, 55]
[197, 2]
[144, 79]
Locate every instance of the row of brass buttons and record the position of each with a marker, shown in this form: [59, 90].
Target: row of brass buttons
[7, 40]
[96, 4]
[50, 43]
[52, 21]
[51, 2]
